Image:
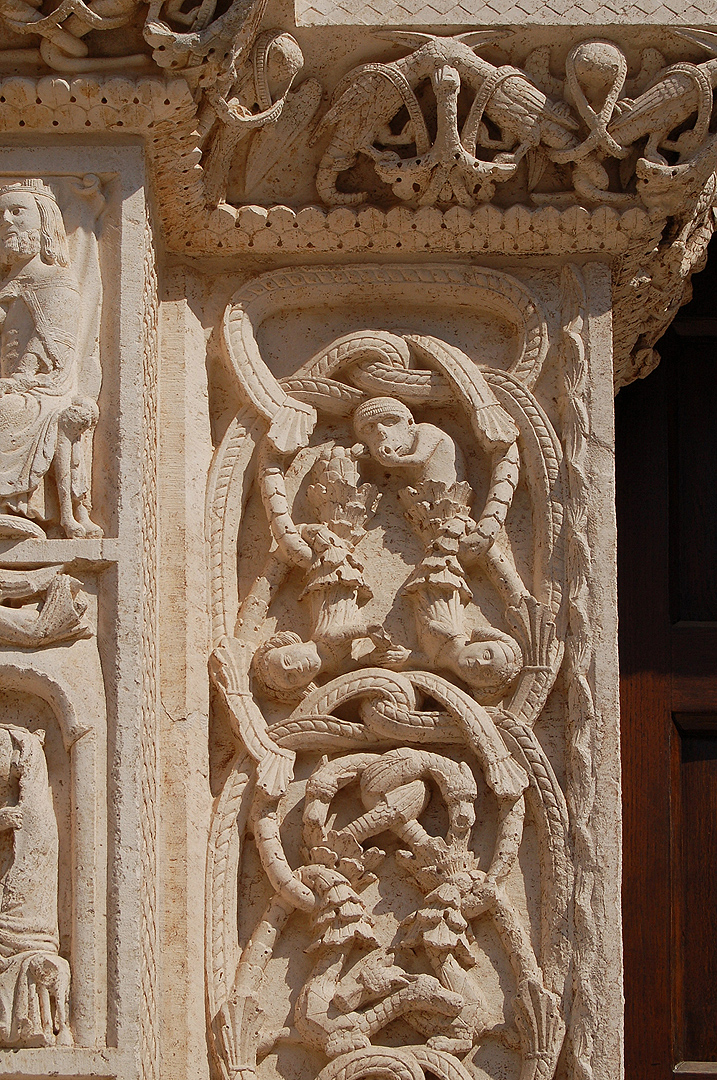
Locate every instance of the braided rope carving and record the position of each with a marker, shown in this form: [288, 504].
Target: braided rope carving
[551, 817]
[489, 290]
[149, 769]
[382, 1062]
[583, 734]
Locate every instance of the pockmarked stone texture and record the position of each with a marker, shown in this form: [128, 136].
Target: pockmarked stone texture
[407, 663]
[310, 323]
[511, 12]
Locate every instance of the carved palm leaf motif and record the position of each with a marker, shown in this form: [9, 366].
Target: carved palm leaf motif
[368, 765]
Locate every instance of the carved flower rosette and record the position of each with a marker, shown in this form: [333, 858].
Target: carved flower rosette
[389, 866]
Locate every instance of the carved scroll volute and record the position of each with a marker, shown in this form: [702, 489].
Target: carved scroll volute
[375, 705]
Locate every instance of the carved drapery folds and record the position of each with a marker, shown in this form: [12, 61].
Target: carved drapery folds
[384, 664]
[49, 383]
[69, 431]
[49, 369]
[34, 978]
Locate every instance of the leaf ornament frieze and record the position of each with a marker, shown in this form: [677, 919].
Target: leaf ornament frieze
[383, 663]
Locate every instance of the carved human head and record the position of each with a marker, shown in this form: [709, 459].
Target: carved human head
[490, 662]
[384, 424]
[285, 665]
[31, 223]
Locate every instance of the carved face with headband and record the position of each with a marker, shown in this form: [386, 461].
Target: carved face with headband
[386, 426]
[285, 665]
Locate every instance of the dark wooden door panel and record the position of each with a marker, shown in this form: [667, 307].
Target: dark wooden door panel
[694, 517]
[645, 663]
[666, 431]
[695, 835]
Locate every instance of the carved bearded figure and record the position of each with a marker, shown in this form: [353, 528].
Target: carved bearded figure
[34, 978]
[42, 419]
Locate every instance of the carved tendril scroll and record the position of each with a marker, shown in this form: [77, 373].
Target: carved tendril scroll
[382, 675]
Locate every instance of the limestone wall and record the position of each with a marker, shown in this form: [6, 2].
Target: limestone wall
[309, 757]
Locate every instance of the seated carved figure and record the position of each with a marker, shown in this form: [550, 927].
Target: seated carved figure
[34, 978]
[42, 416]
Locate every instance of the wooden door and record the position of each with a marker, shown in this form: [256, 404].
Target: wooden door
[667, 585]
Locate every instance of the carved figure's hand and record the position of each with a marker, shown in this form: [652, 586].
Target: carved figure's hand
[24, 380]
[483, 895]
[386, 652]
[10, 818]
[475, 545]
[388, 454]
[394, 657]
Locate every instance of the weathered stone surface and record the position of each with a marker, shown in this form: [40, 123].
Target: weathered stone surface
[416, 601]
[307, 541]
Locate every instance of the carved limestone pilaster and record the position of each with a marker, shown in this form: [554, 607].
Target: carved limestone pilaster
[417, 612]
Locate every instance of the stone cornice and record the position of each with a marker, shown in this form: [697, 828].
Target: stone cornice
[651, 273]
[161, 111]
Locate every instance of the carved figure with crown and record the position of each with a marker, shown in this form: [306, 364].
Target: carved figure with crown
[44, 486]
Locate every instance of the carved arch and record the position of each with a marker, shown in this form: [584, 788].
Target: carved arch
[28, 680]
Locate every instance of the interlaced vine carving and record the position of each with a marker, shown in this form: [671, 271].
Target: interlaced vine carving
[391, 717]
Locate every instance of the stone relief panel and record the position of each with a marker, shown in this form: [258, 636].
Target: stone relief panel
[265, 137]
[243, 79]
[53, 711]
[35, 980]
[50, 382]
[77, 701]
[41, 607]
[45, 839]
[444, 126]
[50, 298]
[404, 678]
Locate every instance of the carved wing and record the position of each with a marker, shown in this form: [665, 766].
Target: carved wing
[368, 97]
[271, 143]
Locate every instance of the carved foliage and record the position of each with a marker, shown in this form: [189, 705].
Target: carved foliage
[388, 665]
